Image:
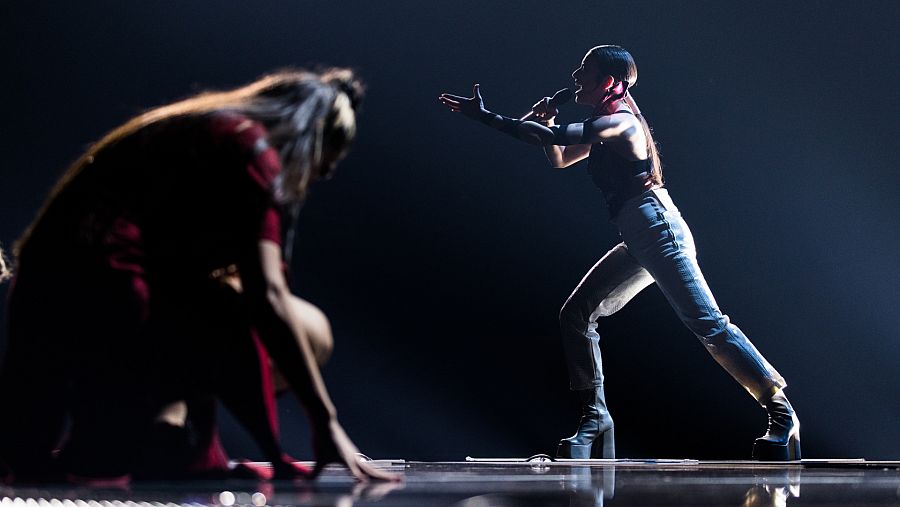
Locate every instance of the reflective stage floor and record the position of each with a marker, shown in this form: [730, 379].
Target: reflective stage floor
[499, 482]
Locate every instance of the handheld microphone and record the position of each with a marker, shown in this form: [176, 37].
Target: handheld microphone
[559, 98]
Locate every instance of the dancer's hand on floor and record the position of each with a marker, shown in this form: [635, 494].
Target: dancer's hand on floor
[332, 445]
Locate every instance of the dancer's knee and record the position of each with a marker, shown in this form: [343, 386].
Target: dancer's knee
[317, 330]
[317, 327]
[608, 307]
[571, 316]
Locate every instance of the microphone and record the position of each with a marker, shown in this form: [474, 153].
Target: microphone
[559, 98]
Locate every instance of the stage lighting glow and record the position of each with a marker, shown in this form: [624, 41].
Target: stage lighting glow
[7, 501]
[226, 498]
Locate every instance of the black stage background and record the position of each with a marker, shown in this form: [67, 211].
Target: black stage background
[442, 251]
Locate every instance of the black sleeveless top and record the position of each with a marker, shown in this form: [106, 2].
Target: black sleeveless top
[618, 178]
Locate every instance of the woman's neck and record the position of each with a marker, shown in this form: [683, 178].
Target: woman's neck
[609, 107]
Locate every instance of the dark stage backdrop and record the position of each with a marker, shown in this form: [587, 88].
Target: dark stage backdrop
[442, 250]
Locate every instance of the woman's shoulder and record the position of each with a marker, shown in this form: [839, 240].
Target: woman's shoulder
[220, 129]
[251, 140]
[618, 125]
[238, 129]
[622, 115]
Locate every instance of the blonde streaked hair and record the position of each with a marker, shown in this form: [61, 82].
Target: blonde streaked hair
[5, 270]
[310, 118]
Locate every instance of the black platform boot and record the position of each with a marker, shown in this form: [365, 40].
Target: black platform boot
[595, 437]
[782, 440]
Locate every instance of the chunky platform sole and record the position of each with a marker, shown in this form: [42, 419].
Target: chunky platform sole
[764, 450]
[604, 447]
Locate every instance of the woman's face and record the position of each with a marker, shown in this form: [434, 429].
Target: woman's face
[590, 83]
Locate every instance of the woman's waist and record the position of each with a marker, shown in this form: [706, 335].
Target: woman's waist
[648, 206]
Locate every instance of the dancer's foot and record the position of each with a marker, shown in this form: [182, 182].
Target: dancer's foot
[782, 439]
[595, 436]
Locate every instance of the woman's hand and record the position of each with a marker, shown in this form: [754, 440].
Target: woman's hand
[472, 107]
[543, 112]
[332, 445]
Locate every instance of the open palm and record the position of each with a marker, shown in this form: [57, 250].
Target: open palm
[470, 106]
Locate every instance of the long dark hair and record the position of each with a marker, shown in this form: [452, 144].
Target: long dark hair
[310, 118]
[615, 61]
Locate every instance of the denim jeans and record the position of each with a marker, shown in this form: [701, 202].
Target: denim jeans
[657, 246]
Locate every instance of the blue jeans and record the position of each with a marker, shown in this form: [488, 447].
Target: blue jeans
[657, 246]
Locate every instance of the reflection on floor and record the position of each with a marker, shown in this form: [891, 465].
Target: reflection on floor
[511, 482]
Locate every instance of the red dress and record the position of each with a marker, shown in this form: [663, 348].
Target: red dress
[113, 312]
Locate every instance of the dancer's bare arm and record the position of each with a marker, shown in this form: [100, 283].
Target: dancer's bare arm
[282, 331]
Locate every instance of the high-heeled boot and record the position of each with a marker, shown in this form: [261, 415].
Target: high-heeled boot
[782, 440]
[595, 437]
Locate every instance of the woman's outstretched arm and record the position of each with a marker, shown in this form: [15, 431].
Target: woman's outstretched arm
[588, 132]
[282, 332]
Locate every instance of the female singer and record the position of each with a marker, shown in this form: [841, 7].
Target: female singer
[122, 306]
[656, 246]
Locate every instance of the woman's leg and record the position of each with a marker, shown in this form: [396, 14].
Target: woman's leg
[221, 333]
[661, 241]
[32, 388]
[606, 288]
[115, 377]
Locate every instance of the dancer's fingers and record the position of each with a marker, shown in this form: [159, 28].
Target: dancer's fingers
[456, 98]
[377, 474]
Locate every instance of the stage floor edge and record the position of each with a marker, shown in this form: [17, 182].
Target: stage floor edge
[806, 463]
[515, 482]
